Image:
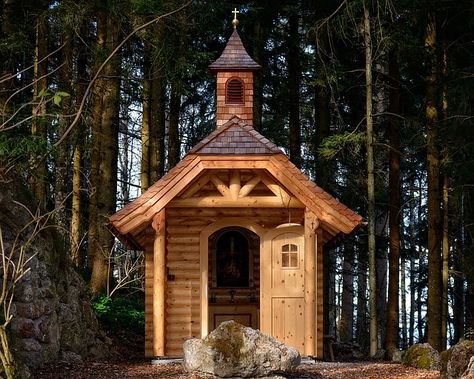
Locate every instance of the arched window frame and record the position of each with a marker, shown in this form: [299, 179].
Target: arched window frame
[228, 100]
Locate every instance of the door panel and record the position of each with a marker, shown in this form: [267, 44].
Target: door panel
[282, 286]
[288, 321]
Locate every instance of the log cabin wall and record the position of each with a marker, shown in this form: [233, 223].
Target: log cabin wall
[183, 268]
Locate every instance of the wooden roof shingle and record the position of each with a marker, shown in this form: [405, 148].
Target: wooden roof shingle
[235, 138]
[234, 57]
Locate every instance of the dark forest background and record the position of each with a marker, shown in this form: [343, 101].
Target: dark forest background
[95, 107]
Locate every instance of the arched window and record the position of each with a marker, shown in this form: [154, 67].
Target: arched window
[234, 93]
[289, 256]
[232, 260]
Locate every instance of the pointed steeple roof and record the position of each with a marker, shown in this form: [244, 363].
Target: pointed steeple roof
[234, 57]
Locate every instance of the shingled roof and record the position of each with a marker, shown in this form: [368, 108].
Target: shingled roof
[245, 141]
[234, 57]
[235, 137]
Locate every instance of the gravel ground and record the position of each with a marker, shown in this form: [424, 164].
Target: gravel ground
[318, 370]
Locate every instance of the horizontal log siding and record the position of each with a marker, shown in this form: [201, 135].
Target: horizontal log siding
[183, 290]
[183, 294]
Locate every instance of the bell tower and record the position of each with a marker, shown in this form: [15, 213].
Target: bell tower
[234, 70]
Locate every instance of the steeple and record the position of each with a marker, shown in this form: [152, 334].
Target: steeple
[234, 70]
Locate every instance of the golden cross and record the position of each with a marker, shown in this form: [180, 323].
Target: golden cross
[235, 22]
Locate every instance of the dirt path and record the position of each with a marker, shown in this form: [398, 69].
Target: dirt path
[319, 370]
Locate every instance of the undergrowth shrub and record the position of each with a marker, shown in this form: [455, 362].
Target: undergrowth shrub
[120, 313]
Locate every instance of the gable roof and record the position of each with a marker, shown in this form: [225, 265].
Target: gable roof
[248, 149]
[234, 57]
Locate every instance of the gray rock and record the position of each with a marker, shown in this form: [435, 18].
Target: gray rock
[460, 355]
[397, 356]
[51, 312]
[380, 354]
[70, 357]
[233, 350]
[423, 356]
[469, 373]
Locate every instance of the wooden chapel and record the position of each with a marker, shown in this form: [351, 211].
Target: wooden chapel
[233, 231]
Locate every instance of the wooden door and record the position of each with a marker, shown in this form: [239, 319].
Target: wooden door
[282, 286]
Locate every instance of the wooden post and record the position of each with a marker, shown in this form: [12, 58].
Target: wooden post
[311, 223]
[159, 284]
[319, 352]
[234, 184]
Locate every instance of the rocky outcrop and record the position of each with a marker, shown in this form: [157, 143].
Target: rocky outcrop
[423, 356]
[233, 350]
[469, 373]
[458, 358]
[52, 316]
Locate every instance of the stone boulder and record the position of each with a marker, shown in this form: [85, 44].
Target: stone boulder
[233, 350]
[423, 356]
[458, 359]
[469, 373]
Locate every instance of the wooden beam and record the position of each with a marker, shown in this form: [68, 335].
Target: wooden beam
[249, 201]
[234, 184]
[277, 189]
[220, 185]
[311, 223]
[250, 185]
[171, 190]
[319, 294]
[195, 187]
[159, 284]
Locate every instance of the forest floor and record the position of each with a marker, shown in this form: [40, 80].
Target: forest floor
[318, 370]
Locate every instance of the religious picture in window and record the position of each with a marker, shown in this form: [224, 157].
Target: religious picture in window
[232, 260]
[289, 256]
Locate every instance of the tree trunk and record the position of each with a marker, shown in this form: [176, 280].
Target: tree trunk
[259, 39]
[458, 293]
[154, 116]
[411, 328]
[347, 307]
[435, 289]
[174, 145]
[38, 123]
[145, 164]
[370, 186]
[158, 124]
[418, 280]
[294, 78]
[322, 121]
[445, 191]
[108, 161]
[362, 336]
[403, 299]
[391, 337]
[96, 146]
[76, 207]
[64, 149]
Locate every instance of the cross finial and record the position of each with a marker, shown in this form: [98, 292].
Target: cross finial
[235, 22]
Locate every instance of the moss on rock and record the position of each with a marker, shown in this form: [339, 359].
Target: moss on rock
[229, 343]
[422, 356]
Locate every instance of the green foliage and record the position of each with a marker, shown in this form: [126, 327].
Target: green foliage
[344, 142]
[20, 149]
[469, 334]
[121, 312]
